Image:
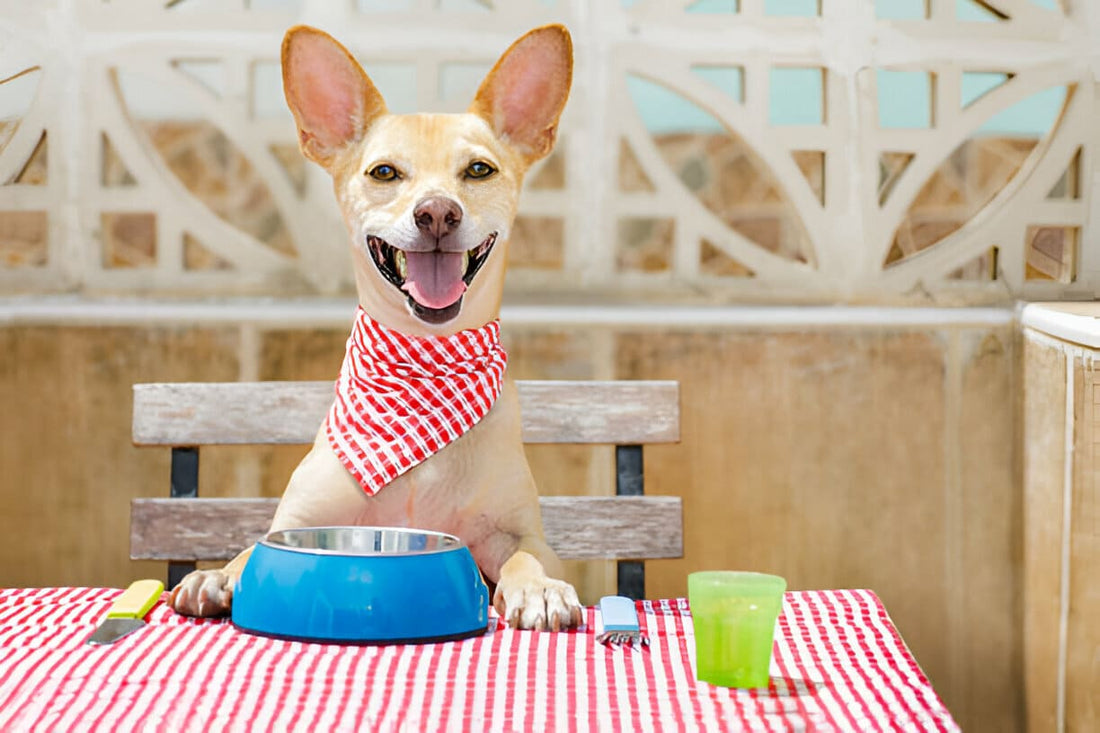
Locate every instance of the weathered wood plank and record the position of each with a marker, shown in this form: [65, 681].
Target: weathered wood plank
[1045, 453]
[577, 527]
[612, 412]
[224, 413]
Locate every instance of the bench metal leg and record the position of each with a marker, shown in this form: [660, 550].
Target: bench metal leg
[185, 485]
[632, 579]
[629, 482]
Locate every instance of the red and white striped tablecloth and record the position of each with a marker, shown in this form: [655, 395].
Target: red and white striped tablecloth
[839, 664]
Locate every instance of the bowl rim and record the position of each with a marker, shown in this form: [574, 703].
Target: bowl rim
[453, 542]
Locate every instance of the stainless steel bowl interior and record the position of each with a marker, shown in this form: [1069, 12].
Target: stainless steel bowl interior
[362, 541]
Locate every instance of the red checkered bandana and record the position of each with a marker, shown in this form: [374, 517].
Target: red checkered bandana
[399, 398]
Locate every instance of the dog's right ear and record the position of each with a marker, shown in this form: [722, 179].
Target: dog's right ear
[332, 99]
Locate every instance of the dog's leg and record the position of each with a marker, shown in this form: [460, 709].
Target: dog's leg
[208, 592]
[320, 492]
[506, 535]
[529, 598]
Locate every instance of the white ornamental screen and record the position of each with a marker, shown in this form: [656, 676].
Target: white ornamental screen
[885, 151]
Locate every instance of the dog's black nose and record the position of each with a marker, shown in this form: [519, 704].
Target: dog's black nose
[438, 216]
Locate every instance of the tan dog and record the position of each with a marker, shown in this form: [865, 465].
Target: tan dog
[447, 185]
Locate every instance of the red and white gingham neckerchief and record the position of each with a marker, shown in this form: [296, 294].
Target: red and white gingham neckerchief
[399, 398]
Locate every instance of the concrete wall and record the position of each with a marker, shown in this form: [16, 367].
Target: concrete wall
[867, 448]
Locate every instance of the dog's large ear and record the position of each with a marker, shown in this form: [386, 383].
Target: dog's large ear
[523, 96]
[332, 99]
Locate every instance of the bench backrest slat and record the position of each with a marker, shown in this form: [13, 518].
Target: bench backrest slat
[577, 527]
[190, 415]
[227, 413]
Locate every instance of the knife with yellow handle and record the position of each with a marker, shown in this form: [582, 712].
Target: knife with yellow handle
[127, 614]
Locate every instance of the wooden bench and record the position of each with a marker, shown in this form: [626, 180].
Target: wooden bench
[628, 527]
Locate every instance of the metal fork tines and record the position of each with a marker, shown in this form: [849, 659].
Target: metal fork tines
[620, 623]
[615, 638]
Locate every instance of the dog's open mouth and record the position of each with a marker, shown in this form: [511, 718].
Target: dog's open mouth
[433, 282]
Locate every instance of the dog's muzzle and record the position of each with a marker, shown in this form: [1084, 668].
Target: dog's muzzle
[432, 282]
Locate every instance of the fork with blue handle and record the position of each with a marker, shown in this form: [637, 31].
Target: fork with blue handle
[620, 622]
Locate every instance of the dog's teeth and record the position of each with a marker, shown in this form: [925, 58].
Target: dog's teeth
[465, 259]
[402, 266]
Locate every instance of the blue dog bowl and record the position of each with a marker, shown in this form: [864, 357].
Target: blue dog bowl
[361, 585]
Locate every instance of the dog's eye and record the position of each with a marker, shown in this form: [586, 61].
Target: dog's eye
[479, 169]
[383, 172]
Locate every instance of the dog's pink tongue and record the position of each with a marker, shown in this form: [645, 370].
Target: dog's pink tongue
[434, 279]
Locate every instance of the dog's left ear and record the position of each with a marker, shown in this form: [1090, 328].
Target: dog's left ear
[523, 96]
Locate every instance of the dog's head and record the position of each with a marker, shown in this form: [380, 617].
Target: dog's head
[428, 199]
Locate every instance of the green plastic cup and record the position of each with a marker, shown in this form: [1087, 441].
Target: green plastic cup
[734, 614]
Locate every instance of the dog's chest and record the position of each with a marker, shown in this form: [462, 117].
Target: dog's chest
[468, 488]
[445, 493]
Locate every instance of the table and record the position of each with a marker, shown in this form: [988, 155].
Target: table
[839, 664]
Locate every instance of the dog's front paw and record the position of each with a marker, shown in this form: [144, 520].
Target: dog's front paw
[540, 603]
[203, 593]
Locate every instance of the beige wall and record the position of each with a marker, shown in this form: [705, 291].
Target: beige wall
[869, 456]
[876, 458]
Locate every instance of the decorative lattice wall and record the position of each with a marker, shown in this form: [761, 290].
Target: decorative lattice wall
[766, 150]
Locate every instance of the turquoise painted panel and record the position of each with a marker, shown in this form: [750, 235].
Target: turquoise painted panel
[904, 99]
[464, 6]
[901, 9]
[145, 98]
[267, 86]
[971, 10]
[712, 6]
[383, 6]
[791, 8]
[975, 84]
[796, 96]
[664, 111]
[460, 80]
[1031, 117]
[211, 74]
[397, 83]
[17, 95]
[730, 79]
